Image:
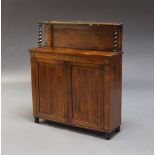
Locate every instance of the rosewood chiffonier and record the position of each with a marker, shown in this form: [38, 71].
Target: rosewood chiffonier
[77, 75]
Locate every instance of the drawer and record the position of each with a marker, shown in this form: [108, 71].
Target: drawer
[71, 58]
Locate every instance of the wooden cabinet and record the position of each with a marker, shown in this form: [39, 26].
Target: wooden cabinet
[75, 85]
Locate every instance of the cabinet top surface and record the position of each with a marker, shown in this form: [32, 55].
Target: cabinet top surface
[70, 51]
[78, 22]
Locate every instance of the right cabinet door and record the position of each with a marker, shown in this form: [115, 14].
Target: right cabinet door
[86, 95]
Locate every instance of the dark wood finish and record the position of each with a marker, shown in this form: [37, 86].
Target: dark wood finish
[108, 135]
[78, 87]
[36, 119]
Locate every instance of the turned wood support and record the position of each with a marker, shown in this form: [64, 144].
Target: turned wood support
[40, 35]
[115, 44]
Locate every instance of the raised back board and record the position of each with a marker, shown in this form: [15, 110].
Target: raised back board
[84, 35]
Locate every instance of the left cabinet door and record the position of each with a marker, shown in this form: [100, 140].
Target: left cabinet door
[51, 89]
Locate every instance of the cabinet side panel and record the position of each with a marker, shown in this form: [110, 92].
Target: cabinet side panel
[115, 91]
[33, 82]
[106, 99]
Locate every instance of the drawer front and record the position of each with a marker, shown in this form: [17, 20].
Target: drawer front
[70, 58]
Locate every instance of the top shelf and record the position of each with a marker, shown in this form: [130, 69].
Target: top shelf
[78, 22]
[81, 35]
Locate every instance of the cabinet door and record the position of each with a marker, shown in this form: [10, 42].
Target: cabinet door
[86, 99]
[50, 80]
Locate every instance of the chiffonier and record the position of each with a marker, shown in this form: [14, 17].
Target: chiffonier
[77, 75]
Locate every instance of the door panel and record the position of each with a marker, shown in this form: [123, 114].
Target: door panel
[51, 91]
[85, 87]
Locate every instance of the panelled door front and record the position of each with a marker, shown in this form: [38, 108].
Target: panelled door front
[51, 86]
[86, 98]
